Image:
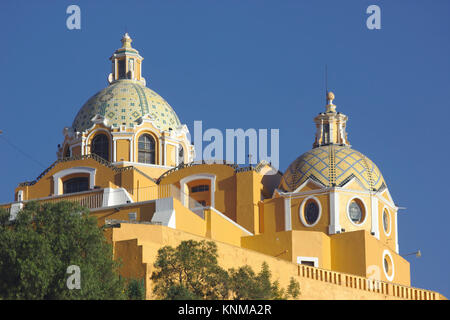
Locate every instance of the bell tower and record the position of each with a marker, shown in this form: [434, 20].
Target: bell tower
[126, 63]
[330, 125]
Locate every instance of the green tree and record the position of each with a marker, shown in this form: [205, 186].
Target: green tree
[246, 285]
[293, 289]
[135, 289]
[44, 240]
[189, 271]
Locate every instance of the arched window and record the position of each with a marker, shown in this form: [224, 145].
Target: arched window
[100, 146]
[146, 149]
[76, 185]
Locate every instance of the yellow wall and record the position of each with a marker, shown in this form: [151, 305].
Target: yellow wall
[225, 195]
[202, 195]
[248, 189]
[44, 187]
[123, 150]
[220, 229]
[348, 253]
[138, 244]
[344, 220]
[324, 220]
[388, 238]
[171, 155]
[188, 221]
[273, 215]
[358, 252]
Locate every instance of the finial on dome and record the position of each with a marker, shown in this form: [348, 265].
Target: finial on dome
[330, 106]
[330, 96]
[126, 41]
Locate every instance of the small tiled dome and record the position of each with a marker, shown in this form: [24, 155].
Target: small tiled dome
[123, 102]
[332, 165]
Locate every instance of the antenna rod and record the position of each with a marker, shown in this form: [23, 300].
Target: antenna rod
[326, 81]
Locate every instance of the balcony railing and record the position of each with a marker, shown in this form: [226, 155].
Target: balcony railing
[91, 199]
[94, 199]
[366, 284]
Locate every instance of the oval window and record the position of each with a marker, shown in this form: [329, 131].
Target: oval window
[356, 211]
[386, 221]
[311, 212]
[388, 265]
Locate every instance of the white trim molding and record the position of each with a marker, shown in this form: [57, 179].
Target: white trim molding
[314, 260]
[128, 163]
[63, 173]
[199, 176]
[334, 227]
[375, 229]
[396, 231]
[287, 214]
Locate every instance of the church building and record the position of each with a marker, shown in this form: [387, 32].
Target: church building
[329, 220]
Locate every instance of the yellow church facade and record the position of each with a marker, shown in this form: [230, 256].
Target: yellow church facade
[329, 221]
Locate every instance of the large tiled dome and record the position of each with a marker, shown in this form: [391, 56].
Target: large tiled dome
[123, 102]
[332, 165]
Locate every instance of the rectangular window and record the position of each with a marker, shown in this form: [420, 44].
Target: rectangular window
[200, 188]
[307, 263]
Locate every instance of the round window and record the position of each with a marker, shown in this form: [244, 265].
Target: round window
[311, 212]
[356, 211]
[386, 224]
[388, 265]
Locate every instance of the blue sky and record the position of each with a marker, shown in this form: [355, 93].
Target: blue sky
[251, 64]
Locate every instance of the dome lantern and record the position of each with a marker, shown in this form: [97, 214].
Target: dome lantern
[126, 63]
[330, 125]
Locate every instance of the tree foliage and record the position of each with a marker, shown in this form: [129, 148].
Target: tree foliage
[191, 271]
[135, 289]
[44, 240]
